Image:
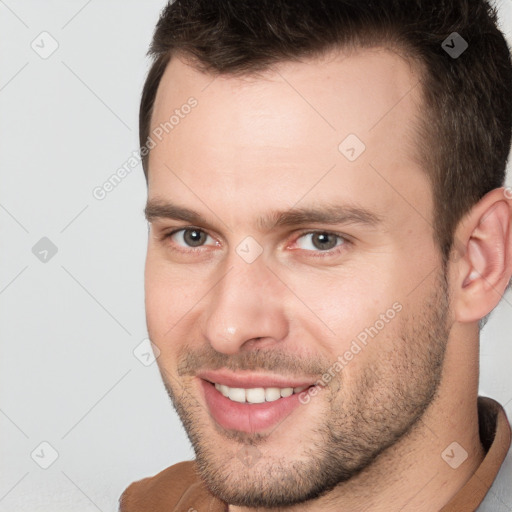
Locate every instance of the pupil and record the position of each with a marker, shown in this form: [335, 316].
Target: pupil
[323, 239]
[194, 237]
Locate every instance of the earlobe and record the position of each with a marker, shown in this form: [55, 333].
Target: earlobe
[485, 269]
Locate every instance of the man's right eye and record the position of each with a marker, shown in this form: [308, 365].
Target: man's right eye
[193, 238]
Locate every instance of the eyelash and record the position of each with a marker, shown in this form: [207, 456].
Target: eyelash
[316, 254]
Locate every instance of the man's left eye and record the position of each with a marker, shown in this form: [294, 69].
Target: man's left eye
[321, 240]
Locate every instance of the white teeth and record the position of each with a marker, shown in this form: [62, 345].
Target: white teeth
[272, 394]
[286, 392]
[257, 395]
[237, 394]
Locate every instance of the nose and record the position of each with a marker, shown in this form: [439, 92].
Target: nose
[246, 309]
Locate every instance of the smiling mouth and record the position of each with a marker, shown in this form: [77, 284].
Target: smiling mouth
[254, 407]
[256, 395]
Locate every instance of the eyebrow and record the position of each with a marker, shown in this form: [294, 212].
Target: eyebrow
[327, 214]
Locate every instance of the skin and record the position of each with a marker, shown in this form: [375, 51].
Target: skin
[374, 435]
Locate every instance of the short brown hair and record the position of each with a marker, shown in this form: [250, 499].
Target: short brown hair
[465, 133]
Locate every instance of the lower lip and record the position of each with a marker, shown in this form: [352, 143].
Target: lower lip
[244, 416]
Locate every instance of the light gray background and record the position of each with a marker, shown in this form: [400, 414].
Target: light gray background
[69, 326]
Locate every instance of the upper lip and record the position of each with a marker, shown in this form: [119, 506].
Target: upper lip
[247, 379]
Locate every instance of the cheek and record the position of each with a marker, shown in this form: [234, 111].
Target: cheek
[161, 300]
[171, 296]
[344, 303]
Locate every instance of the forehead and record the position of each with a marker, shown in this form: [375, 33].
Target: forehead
[344, 91]
[285, 128]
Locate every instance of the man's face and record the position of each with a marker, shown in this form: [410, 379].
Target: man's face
[353, 308]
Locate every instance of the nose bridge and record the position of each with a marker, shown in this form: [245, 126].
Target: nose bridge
[244, 305]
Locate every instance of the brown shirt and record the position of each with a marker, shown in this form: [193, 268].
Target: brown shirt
[179, 488]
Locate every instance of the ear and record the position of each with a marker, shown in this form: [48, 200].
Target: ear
[483, 266]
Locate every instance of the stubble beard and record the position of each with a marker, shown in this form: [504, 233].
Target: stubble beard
[358, 422]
